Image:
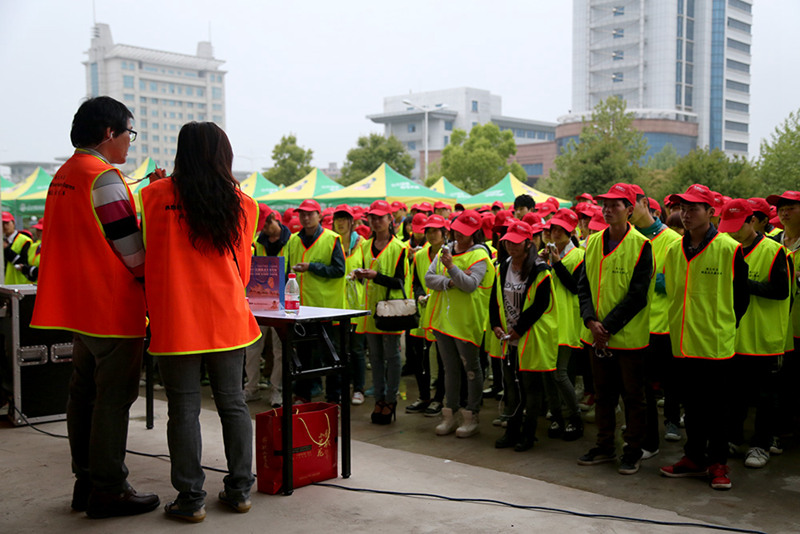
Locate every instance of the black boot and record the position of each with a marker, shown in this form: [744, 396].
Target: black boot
[528, 437]
[574, 428]
[510, 438]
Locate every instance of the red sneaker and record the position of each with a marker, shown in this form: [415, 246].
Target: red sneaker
[684, 468]
[719, 476]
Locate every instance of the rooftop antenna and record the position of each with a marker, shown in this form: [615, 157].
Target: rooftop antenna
[94, 13]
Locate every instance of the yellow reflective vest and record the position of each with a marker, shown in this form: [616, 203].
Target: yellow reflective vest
[610, 278]
[13, 276]
[569, 327]
[762, 330]
[385, 263]
[702, 322]
[660, 303]
[354, 289]
[315, 290]
[459, 314]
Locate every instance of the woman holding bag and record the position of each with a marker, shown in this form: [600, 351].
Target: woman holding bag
[386, 276]
[198, 227]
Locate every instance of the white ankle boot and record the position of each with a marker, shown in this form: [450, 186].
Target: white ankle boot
[470, 425]
[448, 424]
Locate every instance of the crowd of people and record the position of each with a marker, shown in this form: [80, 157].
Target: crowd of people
[618, 297]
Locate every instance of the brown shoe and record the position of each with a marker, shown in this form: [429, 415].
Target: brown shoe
[110, 504]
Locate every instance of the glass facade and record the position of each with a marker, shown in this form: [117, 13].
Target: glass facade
[717, 74]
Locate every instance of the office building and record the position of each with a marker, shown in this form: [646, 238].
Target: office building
[464, 107]
[682, 66]
[164, 90]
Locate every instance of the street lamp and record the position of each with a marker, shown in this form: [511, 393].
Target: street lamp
[425, 112]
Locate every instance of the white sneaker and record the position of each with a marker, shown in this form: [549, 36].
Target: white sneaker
[250, 396]
[776, 448]
[469, 426]
[358, 398]
[275, 397]
[646, 455]
[448, 424]
[756, 458]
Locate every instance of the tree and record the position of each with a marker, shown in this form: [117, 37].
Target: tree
[291, 162]
[478, 161]
[609, 150]
[663, 160]
[368, 155]
[779, 166]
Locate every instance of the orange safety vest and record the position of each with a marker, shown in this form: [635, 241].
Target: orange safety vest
[83, 285]
[196, 300]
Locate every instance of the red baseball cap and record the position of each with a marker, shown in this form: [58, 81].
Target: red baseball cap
[294, 225]
[263, 213]
[585, 209]
[517, 232]
[364, 231]
[309, 205]
[566, 219]
[39, 225]
[483, 208]
[532, 218]
[498, 204]
[584, 196]
[759, 205]
[667, 202]
[379, 208]
[327, 221]
[553, 201]
[598, 222]
[7, 217]
[619, 191]
[654, 205]
[468, 222]
[775, 200]
[426, 207]
[414, 207]
[536, 228]
[695, 194]
[418, 223]
[397, 205]
[719, 201]
[440, 205]
[487, 223]
[544, 209]
[287, 215]
[501, 218]
[437, 221]
[344, 208]
[734, 215]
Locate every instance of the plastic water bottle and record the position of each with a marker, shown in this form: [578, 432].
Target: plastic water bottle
[292, 295]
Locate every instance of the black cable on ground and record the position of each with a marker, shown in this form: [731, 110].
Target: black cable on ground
[459, 499]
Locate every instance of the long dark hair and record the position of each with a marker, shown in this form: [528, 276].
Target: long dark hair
[207, 190]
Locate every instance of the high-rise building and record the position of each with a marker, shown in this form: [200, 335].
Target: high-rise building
[672, 61]
[405, 117]
[164, 90]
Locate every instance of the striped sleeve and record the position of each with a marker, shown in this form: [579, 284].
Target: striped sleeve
[117, 216]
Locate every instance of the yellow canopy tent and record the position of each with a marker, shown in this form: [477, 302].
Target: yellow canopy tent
[311, 185]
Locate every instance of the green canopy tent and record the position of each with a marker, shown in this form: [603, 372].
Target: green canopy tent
[506, 190]
[28, 197]
[257, 186]
[385, 184]
[445, 186]
[6, 184]
[311, 185]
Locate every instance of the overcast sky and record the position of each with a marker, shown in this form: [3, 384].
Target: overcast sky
[317, 68]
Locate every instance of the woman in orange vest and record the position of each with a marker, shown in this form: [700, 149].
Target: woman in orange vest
[198, 228]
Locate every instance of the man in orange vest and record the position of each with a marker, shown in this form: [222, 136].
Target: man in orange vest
[90, 283]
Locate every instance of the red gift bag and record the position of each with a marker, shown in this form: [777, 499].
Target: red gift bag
[314, 433]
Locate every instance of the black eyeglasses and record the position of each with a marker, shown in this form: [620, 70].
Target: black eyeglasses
[132, 134]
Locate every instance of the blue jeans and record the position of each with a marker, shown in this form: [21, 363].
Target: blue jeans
[181, 376]
[384, 355]
[104, 384]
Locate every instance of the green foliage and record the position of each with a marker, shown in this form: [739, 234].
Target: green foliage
[664, 160]
[368, 155]
[609, 151]
[291, 162]
[478, 161]
[732, 177]
[779, 166]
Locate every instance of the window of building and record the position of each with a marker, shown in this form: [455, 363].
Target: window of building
[200, 91]
[201, 105]
[738, 147]
[412, 127]
[689, 74]
[530, 134]
[216, 93]
[216, 107]
[690, 8]
[144, 149]
[154, 113]
[156, 138]
[190, 116]
[156, 150]
[154, 126]
[142, 85]
[736, 126]
[742, 6]
[143, 99]
[150, 68]
[189, 90]
[154, 101]
[173, 139]
[153, 86]
[95, 79]
[412, 145]
[174, 127]
[618, 11]
[680, 7]
[618, 55]
[732, 105]
[190, 104]
[737, 86]
[617, 77]
[448, 126]
[534, 169]
[446, 140]
[474, 106]
[680, 26]
[217, 119]
[689, 52]
[474, 124]
[143, 110]
[143, 123]
[678, 94]
[679, 72]
[689, 97]
[190, 74]
[738, 65]
[690, 29]
[679, 49]
[519, 133]
[171, 114]
[738, 25]
[618, 33]
[738, 45]
[541, 135]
